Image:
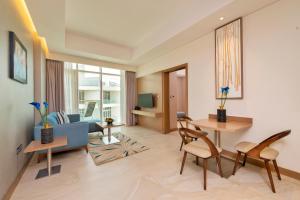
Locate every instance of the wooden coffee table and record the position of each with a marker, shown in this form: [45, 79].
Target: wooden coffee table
[109, 139]
[36, 145]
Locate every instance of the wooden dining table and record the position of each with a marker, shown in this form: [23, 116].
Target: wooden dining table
[233, 124]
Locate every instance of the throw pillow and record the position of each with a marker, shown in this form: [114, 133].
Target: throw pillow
[62, 118]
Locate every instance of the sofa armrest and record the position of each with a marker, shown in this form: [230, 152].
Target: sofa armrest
[74, 118]
[77, 133]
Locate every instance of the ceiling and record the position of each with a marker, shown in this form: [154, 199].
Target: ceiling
[130, 32]
[129, 22]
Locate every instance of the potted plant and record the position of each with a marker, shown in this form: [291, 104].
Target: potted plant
[47, 130]
[109, 121]
[221, 112]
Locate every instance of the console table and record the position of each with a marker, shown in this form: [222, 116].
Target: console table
[146, 113]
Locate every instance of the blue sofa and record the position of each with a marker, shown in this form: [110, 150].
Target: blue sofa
[76, 131]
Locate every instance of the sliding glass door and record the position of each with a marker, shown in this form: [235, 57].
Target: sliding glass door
[99, 93]
[111, 96]
[89, 95]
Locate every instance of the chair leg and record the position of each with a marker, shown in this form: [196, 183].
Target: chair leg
[218, 158]
[236, 162]
[181, 145]
[197, 160]
[270, 175]
[204, 172]
[276, 169]
[183, 161]
[245, 159]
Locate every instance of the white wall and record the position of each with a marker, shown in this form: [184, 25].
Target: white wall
[16, 115]
[271, 78]
[39, 63]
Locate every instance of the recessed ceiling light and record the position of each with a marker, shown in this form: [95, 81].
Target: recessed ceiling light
[221, 18]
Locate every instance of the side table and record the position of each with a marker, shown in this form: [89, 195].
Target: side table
[36, 145]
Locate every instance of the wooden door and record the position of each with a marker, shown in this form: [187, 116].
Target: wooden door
[170, 103]
[173, 99]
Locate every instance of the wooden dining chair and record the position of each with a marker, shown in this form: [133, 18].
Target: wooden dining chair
[184, 121]
[261, 151]
[202, 148]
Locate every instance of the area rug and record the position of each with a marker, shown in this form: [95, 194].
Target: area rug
[102, 153]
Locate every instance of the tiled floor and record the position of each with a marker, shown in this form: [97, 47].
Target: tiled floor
[152, 174]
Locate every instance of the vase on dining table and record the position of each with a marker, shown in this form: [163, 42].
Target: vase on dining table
[221, 115]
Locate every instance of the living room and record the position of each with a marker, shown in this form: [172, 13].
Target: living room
[149, 99]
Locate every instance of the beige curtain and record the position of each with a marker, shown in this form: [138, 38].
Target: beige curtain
[131, 89]
[55, 85]
[71, 88]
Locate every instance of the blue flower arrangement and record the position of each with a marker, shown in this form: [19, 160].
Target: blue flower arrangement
[224, 91]
[44, 118]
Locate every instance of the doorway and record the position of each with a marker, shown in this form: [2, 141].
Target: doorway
[175, 87]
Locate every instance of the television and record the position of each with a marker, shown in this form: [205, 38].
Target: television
[145, 100]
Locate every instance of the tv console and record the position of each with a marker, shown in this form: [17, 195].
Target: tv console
[147, 113]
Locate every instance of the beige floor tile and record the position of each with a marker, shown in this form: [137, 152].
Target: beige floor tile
[152, 174]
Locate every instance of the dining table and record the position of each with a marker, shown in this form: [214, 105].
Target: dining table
[234, 124]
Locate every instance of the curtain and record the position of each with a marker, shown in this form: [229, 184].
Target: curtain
[130, 80]
[71, 88]
[55, 85]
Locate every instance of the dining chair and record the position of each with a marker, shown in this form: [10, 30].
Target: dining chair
[184, 120]
[261, 151]
[203, 148]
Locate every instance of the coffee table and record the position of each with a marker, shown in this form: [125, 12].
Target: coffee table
[109, 139]
[36, 145]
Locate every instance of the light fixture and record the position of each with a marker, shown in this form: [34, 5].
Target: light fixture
[221, 18]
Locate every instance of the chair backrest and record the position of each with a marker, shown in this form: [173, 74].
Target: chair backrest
[255, 152]
[90, 109]
[197, 134]
[186, 119]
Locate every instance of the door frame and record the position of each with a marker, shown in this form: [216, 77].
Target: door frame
[166, 92]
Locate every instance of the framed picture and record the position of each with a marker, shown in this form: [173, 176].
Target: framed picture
[229, 59]
[17, 59]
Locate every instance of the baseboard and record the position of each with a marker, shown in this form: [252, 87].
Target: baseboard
[259, 163]
[14, 184]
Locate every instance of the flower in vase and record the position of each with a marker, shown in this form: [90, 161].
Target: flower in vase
[224, 91]
[37, 105]
[43, 115]
[46, 105]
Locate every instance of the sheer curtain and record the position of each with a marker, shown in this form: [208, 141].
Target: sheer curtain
[71, 88]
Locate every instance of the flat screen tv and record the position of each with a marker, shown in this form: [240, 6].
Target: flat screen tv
[145, 100]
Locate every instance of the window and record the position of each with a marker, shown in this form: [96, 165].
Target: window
[111, 96]
[99, 92]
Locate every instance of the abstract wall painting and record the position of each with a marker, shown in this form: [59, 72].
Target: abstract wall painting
[17, 59]
[229, 63]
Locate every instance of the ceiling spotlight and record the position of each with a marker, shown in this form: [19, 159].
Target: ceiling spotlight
[221, 18]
